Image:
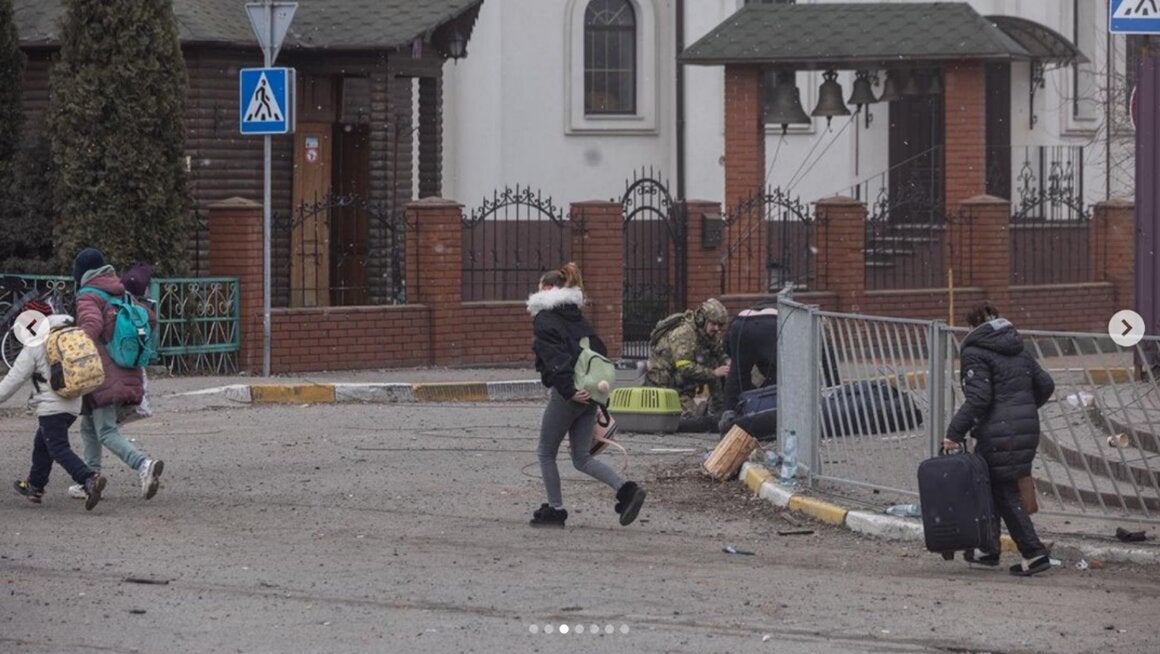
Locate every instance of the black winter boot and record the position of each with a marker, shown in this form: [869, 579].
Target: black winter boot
[629, 499]
[546, 516]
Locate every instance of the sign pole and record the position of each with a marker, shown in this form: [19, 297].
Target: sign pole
[268, 51]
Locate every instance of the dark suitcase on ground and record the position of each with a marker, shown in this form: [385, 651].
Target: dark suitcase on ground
[957, 509]
[868, 407]
[757, 412]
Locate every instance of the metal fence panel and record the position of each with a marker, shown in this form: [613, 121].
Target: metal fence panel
[509, 241]
[198, 318]
[1099, 452]
[873, 430]
[798, 388]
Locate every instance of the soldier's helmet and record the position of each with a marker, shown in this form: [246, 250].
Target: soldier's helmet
[712, 310]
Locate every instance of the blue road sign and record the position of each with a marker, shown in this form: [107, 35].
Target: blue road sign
[1134, 17]
[266, 103]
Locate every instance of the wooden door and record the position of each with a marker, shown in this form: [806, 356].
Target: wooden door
[310, 235]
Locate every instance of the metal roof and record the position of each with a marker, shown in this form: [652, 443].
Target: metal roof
[1044, 43]
[318, 24]
[853, 35]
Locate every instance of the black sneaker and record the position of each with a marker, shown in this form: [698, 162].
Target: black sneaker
[93, 486]
[629, 499]
[34, 494]
[1026, 568]
[975, 555]
[546, 516]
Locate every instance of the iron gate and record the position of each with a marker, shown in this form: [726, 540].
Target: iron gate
[654, 258]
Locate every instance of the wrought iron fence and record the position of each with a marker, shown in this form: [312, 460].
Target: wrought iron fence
[344, 251]
[198, 325]
[17, 291]
[769, 243]
[1099, 451]
[655, 232]
[198, 318]
[1050, 235]
[509, 241]
[905, 255]
[906, 222]
[910, 192]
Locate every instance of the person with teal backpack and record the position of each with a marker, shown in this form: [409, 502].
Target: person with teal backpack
[571, 360]
[122, 330]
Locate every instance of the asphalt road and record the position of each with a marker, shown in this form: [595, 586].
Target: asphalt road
[403, 528]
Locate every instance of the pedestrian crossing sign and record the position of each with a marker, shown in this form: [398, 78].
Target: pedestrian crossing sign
[266, 103]
[1134, 17]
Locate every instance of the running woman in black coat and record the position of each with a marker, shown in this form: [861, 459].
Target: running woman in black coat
[1004, 388]
[558, 327]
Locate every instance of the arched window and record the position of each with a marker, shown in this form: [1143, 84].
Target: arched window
[609, 57]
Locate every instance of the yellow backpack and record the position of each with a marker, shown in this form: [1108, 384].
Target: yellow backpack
[74, 362]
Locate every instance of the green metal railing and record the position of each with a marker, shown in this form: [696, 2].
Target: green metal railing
[198, 321]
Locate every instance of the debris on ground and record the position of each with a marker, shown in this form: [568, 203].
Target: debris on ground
[1126, 536]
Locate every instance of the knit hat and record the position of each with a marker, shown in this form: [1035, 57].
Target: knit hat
[88, 259]
[136, 279]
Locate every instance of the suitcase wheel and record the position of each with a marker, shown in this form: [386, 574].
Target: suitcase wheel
[948, 556]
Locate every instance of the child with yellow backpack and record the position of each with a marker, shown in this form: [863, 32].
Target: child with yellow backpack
[62, 368]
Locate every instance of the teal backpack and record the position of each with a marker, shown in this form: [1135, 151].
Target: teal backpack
[132, 342]
[594, 373]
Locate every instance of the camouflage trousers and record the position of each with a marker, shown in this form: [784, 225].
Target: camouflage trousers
[691, 408]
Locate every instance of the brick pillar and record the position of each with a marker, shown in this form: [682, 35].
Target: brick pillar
[1113, 233]
[235, 250]
[840, 236]
[435, 273]
[983, 241]
[702, 264]
[744, 133]
[965, 112]
[598, 248]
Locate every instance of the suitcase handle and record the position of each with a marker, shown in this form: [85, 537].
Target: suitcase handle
[942, 451]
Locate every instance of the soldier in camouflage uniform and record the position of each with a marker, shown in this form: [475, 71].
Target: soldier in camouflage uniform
[691, 354]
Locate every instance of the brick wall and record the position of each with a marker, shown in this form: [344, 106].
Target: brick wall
[1067, 308]
[703, 271]
[744, 133]
[347, 338]
[965, 114]
[1113, 230]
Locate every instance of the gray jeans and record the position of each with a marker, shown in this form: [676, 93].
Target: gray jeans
[577, 421]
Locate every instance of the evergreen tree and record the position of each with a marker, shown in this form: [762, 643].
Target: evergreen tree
[11, 123]
[118, 134]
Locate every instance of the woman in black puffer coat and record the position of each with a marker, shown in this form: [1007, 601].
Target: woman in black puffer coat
[1004, 388]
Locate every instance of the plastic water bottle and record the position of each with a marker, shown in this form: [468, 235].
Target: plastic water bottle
[905, 510]
[788, 457]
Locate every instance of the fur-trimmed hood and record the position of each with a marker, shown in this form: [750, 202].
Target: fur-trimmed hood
[555, 297]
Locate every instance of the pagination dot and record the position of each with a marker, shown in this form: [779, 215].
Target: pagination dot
[624, 629]
[535, 628]
[563, 628]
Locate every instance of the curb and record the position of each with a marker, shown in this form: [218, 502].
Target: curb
[887, 527]
[376, 393]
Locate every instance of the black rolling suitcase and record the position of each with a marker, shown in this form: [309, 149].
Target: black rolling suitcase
[957, 509]
[757, 412]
